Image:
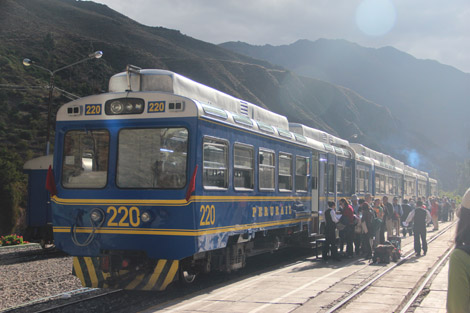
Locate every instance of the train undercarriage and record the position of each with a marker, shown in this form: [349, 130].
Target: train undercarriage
[134, 270]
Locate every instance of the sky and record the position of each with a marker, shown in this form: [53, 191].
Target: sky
[427, 29]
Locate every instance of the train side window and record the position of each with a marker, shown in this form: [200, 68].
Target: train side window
[377, 183]
[301, 174]
[243, 167]
[215, 163]
[390, 185]
[331, 178]
[267, 167]
[339, 178]
[285, 172]
[382, 183]
[361, 187]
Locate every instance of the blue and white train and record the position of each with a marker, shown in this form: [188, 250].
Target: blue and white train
[163, 178]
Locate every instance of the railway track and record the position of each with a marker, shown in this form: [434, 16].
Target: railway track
[411, 298]
[128, 301]
[118, 300]
[15, 255]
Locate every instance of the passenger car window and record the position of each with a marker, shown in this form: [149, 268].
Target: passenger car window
[243, 167]
[266, 170]
[301, 173]
[215, 162]
[285, 172]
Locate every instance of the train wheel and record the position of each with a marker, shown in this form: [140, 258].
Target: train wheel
[187, 276]
[47, 245]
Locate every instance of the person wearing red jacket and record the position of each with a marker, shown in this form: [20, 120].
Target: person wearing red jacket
[347, 219]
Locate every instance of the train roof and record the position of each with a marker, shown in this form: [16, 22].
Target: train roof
[40, 163]
[211, 102]
[214, 103]
[170, 82]
[241, 121]
[378, 158]
[330, 143]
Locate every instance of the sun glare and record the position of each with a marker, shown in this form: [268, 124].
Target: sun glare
[375, 17]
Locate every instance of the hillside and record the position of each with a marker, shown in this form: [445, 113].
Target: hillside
[59, 32]
[431, 99]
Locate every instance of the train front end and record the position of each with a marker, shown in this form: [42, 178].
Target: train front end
[122, 185]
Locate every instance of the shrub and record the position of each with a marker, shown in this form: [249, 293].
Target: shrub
[12, 189]
[12, 240]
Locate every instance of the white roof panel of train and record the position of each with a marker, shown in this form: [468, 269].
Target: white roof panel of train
[40, 163]
[318, 135]
[322, 137]
[170, 82]
[380, 159]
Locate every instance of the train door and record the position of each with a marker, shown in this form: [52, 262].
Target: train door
[331, 178]
[315, 207]
[369, 180]
[348, 178]
[322, 189]
[373, 183]
[340, 180]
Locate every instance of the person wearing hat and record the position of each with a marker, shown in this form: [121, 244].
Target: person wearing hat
[458, 291]
[420, 218]
[330, 233]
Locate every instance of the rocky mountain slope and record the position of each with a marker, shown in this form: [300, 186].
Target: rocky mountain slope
[59, 32]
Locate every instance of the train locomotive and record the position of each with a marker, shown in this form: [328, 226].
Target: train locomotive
[163, 178]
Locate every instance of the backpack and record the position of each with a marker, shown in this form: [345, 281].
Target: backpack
[383, 253]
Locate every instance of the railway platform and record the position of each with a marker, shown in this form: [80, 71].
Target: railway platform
[414, 284]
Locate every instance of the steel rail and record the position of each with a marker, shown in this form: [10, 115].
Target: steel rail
[53, 297]
[418, 291]
[50, 309]
[377, 277]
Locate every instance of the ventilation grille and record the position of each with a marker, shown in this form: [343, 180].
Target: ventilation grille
[244, 109]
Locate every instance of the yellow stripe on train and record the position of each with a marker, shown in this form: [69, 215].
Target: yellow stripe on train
[177, 232]
[180, 202]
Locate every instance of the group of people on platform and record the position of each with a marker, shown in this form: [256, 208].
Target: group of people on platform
[363, 223]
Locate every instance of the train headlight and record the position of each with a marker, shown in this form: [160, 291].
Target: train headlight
[124, 106]
[116, 107]
[96, 215]
[129, 107]
[145, 217]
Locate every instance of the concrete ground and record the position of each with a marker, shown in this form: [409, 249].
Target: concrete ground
[313, 285]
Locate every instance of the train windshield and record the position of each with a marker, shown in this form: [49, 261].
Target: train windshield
[85, 163]
[152, 158]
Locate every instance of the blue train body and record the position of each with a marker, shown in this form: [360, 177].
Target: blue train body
[163, 178]
[38, 210]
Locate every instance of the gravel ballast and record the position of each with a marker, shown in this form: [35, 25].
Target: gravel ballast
[31, 279]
